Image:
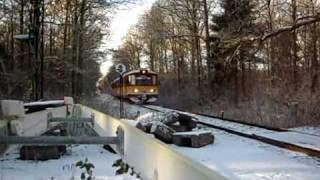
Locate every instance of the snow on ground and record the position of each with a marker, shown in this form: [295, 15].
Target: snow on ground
[304, 138]
[110, 105]
[313, 130]
[244, 158]
[11, 168]
[249, 159]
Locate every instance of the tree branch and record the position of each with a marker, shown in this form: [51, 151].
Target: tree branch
[311, 20]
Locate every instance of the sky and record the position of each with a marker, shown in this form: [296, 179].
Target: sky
[123, 18]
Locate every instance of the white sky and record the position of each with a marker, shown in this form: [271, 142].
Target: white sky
[124, 18]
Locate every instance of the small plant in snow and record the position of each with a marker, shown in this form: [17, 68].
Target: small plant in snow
[87, 169]
[123, 167]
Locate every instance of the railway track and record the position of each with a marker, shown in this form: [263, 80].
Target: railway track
[261, 138]
[221, 118]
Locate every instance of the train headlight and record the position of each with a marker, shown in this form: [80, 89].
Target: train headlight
[136, 90]
[152, 90]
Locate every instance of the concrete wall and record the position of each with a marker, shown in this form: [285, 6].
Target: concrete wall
[149, 156]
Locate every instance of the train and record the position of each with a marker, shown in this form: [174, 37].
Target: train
[139, 86]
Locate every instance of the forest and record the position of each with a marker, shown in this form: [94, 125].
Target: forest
[51, 49]
[256, 61]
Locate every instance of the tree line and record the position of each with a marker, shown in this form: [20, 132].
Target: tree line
[49, 49]
[253, 60]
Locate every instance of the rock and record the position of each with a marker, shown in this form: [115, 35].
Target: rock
[179, 128]
[166, 118]
[186, 120]
[170, 118]
[193, 139]
[162, 132]
[41, 152]
[141, 127]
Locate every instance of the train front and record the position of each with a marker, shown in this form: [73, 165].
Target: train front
[142, 86]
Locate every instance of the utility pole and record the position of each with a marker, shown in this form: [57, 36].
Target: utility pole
[121, 96]
[121, 69]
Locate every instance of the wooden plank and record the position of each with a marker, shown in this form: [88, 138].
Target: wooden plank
[57, 140]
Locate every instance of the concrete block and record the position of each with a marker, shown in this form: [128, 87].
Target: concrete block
[12, 108]
[186, 120]
[68, 100]
[42, 153]
[16, 127]
[180, 128]
[193, 139]
[141, 127]
[170, 118]
[162, 132]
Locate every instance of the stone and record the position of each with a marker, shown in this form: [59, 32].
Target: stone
[193, 139]
[162, 132]
[180, 128]
[186, 120]
[170, 118]
[141, 127]
[42, 153]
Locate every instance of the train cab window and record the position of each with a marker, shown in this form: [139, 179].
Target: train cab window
[144, 80]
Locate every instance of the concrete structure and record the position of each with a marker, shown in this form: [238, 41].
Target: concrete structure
[9, 108]
[153, 159]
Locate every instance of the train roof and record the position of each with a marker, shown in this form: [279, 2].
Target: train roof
[138, 71]
[134, 72]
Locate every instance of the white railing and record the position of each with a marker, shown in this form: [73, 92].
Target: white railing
[153, 159]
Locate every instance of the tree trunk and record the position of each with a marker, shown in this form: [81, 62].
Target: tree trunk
[21, 28]
[294, 46]
[74, 49]
[314, 61]
[80, 48]
[65, 30]
[210, 63]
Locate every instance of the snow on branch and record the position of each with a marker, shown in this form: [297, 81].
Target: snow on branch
[311, 20]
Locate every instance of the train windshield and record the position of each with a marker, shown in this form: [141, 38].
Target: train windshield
[143, 80]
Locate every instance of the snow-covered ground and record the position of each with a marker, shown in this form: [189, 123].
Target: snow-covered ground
[11, 168]
[250, 159]
[313, 130]
[244, 158]
[306, 136]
